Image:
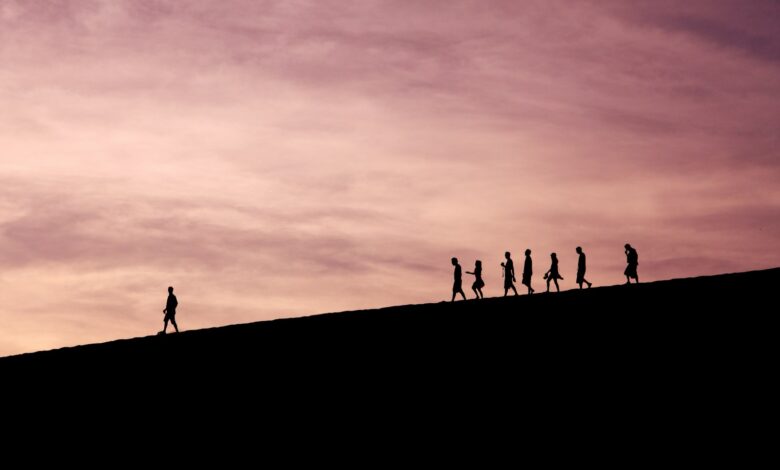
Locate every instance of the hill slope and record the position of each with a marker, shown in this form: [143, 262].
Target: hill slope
[626, 326]
[644, 373]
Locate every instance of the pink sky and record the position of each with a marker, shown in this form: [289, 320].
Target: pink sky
[279, 158]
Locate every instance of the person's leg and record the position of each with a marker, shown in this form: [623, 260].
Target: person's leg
[165, 324]
[463, 294]
[557, 289]
[514, 289]
[173, 322]
[628, 280]
[580, 284]
[637, 278]
[548, 284]
[506, 291]
[588, 283]
[453, 296]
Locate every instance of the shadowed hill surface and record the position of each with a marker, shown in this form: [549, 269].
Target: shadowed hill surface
[684, 325]
[618, 373]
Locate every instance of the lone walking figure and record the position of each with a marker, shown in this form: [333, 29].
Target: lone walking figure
[170, 311]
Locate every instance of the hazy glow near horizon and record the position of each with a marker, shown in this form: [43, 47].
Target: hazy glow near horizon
[278, 158]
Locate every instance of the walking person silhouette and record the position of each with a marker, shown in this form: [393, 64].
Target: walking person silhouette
[170, 311]
[552, 274]
[478, 282]
[528, 271]
[632, 258]
[581, 269]
[457, 287]
[509, 274]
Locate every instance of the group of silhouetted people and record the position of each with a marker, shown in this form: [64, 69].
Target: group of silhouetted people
[508, 271]
[552, 274]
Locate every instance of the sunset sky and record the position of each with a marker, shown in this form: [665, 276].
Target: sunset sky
[281, 158]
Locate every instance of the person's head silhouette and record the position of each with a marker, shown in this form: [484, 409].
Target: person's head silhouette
[578, 250]
[454, 261]
[170, 290]
[528, 252]
[507, 255]
[628, 247]
[554, 256]
[478, 263]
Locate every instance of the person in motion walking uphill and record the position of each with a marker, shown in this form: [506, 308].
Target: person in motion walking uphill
[170, 312]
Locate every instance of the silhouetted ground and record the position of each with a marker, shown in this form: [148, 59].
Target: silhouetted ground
[618, 327]
[640, 372]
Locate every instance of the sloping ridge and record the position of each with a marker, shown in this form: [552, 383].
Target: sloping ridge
[625, 326]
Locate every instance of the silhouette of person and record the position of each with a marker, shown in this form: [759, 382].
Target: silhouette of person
[553, 274]
[509, 274]
[528, 271]
[581, 269]
[170, 311]
[632, 258]
[457, 287]
[478, 282]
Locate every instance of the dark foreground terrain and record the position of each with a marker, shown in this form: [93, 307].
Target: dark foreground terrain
[681, 327]
[638, 372]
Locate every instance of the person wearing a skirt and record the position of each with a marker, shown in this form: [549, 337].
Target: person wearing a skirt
[478, 282]
[632, 258]
[528, 271]
[553, 274]
[509, 274]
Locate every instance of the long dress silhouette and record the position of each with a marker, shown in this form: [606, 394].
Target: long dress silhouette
[509, 274]
[528, 271]
[632, 258]
[478, 282]
[553, 274]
